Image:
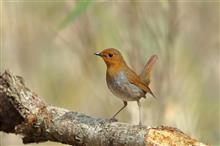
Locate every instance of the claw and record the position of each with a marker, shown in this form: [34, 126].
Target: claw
[113, 120]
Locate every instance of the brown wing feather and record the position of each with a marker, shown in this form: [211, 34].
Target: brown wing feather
[134, 79]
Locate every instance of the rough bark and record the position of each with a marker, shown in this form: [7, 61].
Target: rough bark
[24, 112]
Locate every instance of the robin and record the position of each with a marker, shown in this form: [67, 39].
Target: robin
[123, 82]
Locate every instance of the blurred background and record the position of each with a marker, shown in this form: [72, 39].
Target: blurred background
[51, 44]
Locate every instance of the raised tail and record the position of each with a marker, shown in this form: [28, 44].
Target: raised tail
[146, 73]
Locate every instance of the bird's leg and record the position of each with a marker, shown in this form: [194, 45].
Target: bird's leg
[139, 106]
[125, 104]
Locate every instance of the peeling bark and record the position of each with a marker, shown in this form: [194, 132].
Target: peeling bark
[23, 112]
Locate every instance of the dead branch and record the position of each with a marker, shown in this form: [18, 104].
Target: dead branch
[23, 112]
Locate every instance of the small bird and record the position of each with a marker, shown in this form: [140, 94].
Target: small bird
[123, 82]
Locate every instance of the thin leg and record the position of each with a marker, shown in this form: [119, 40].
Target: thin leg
[139, 106]
[125, 104]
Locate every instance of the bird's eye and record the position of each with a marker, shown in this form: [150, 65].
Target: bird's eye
[110, 55]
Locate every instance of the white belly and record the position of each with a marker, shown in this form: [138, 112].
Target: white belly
[122, 88]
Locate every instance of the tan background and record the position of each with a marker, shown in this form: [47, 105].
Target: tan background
[59, 64]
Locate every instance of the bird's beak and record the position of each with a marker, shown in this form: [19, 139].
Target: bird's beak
[98, 54]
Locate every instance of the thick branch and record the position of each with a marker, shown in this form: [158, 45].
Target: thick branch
[23, 112]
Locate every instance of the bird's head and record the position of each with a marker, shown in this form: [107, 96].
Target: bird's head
[111, 57]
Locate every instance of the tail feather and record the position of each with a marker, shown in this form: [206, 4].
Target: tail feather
[146, 73]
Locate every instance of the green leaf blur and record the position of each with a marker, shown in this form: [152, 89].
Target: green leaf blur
[80, 7]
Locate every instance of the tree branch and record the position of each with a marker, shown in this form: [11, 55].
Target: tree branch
[23, 112]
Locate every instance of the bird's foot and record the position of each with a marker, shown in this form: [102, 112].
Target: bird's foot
[113, 120]
[141, 126]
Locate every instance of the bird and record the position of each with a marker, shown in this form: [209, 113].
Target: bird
[123, 82]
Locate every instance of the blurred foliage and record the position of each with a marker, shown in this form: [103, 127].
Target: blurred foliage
[80, 7]
[59, 64]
